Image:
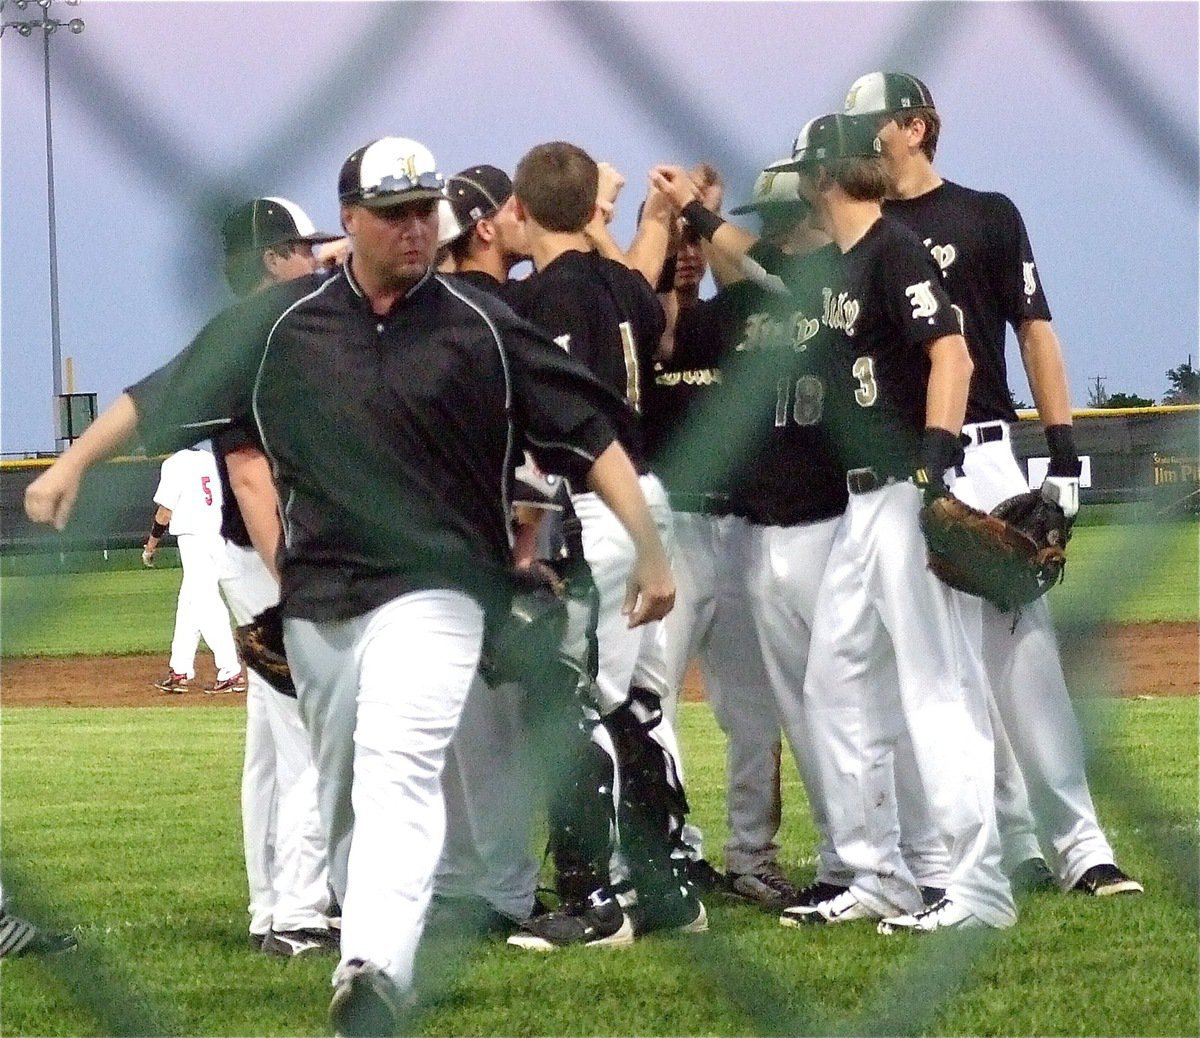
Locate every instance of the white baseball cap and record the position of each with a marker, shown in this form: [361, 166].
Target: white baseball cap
[388, 172]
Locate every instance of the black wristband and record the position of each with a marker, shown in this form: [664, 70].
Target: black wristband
[703, 221]
[666, 280]
[1064, 459]
[940, 450]
[157, 529]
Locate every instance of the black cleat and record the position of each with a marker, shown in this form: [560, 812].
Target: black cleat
[1106, 880]
[20, 937]
[291, 944]
[599, 922]
[1030, 875]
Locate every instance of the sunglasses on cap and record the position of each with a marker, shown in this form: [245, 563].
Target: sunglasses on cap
[397, 185]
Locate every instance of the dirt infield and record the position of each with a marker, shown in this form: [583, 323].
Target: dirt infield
[1160, 659]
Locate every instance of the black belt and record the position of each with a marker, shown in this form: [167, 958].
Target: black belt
[704, 504]
[984, 432]
[864, 481]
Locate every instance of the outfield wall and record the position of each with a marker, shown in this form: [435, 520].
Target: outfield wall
[1147, 454]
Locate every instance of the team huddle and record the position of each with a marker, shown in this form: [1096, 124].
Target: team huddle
[415, 447]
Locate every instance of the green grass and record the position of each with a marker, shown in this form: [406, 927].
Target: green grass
[124, 823]
[119, 610]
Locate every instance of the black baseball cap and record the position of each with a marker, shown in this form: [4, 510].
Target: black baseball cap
[389, 172]
[883, 93]
[477, 192]
[830, 137]
[264, 222]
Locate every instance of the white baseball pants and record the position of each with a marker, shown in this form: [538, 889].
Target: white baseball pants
[281, 828]
[381, 695]
[711, 620]
[1025, 673]
[200, 610]
[889, 653]
[784, 574]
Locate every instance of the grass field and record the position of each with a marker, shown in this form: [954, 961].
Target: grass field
[123, 608]
[124, 824]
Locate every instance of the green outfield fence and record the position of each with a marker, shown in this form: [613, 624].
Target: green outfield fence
[1147, 455]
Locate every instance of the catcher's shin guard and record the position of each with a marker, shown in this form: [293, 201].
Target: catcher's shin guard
[652, 804]
[582, 822]
[578, 775]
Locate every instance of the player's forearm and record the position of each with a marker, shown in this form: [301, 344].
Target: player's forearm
[254, 490]
[262, 524]
[158, 527]
[949, 380]
[648, 251]
[602, 240]
[1046, 371]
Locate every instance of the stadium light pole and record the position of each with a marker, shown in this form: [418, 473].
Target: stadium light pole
[48, 26]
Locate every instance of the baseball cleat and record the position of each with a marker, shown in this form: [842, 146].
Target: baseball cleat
[684, 914]
[945, 915]
[844, 908]
[767, 886]
[174, 683]
[237, 683]
[1030, 875]
[1106, 880]
[365, 1002]
[704, 877]
[815, 893]
[599, 924]
[20, 937]
[930, 896]
[290, 944]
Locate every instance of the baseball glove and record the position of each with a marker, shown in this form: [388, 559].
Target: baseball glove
[525, 640]
[260, 644]
[1011, 557]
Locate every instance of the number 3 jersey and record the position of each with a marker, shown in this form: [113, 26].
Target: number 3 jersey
[189, 487]
[978, 240]
[887, 302]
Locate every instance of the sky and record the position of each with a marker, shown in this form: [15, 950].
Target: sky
[166, 115]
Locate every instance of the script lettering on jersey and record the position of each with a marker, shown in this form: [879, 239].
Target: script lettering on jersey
[943, 255]
[924, 302]
[764, 331]
[695, 377]
[840, 311]
[1029, 279]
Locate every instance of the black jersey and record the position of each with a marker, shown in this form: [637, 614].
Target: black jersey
[678, 415]
[978, 240]
[607, 317]
[741, 430]
[887, 303]
[390, 436]
[505, 290]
